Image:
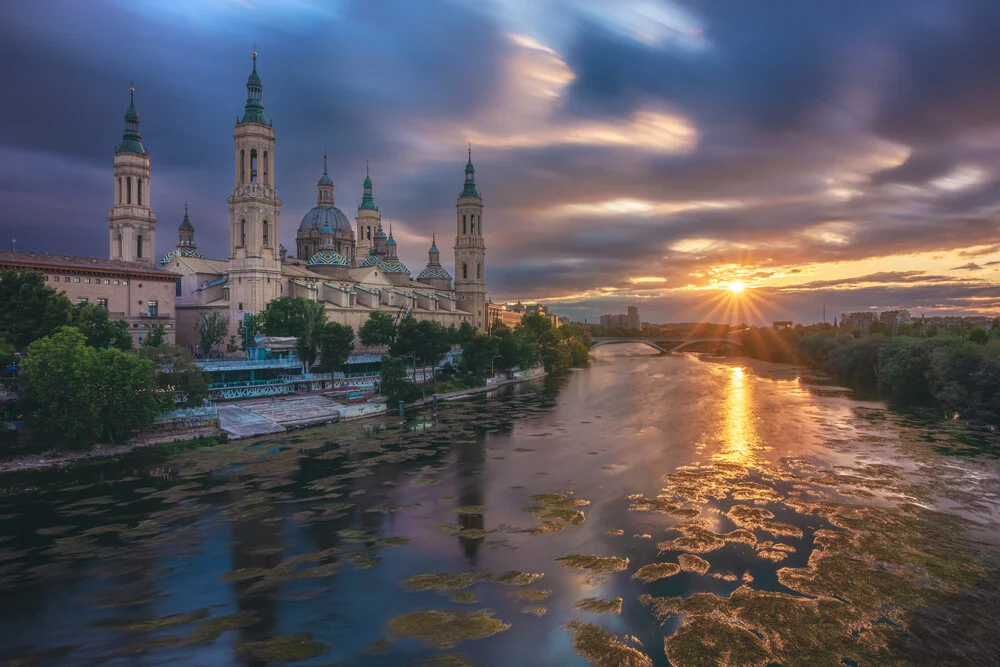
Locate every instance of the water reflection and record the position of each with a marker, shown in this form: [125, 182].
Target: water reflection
[655, 460]
[740, 441]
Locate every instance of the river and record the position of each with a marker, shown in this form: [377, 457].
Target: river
[647, 510]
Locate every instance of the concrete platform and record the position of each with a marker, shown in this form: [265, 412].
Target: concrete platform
[241, 423]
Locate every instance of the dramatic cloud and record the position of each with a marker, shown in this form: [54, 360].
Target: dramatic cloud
[650, 151]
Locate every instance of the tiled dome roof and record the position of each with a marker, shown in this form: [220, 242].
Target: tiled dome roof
[434, 272]
[328, 258]
[393, 266]
[321, 216]
[183, 252]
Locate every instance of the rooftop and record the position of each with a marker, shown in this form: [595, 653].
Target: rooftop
[45, 260]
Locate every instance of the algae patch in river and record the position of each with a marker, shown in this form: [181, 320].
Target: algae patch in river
[445, 629]
[595, 564]
[604, 649]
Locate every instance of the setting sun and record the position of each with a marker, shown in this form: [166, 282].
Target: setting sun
[736, 286]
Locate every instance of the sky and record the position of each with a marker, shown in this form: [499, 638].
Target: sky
[837, 153]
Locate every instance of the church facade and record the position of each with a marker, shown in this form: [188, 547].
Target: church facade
[352, 269]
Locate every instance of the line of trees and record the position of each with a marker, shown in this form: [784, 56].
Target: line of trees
[79, 379]
[955, 368]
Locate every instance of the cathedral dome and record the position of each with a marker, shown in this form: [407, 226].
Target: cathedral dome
[321, 216]
[434, 272]
[371, 260]
[328, 258]
[393, 266]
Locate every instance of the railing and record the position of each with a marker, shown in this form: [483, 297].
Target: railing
[244, 364]
[246, 383]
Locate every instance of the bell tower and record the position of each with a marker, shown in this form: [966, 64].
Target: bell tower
[131, 222]
[368, 219]
[470, 250]
[254, 210]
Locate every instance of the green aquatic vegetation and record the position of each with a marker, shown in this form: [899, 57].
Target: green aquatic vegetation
[445, 660]
[705, 641]
[778, 529]
[122, 597]
[748, 517]
[131, 624]
[692, 563]
[470, 510]
[656, 571]
[40, 657]
[534, 610]
[470, 533]
[594, 564]
[754, 492]
[104, 530]
[523, 450]
[55, 530]
[288, 648]
[603, 648]
[614, 533]
[445, 629]
[463, 597]
[530, 594]
[661, 504]
[740, 536]
[515, 578]
[442, 583]
[390, 509]
[425, 481]
[696, 537]
[555, 511]
[211, 629]
[599, 606]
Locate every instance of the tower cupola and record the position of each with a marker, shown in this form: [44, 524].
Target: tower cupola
[254, 109]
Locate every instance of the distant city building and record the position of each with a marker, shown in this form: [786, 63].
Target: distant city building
[782, 324]
[512, 313]
[894, 318]
[140, 293]
[632, 318]
[614, 321]
[864, 318]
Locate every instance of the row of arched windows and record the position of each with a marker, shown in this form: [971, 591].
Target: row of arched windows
[125, 193]
[472, 222]
[138, 246]
[479, 271]
[264, 167]
[243, 234]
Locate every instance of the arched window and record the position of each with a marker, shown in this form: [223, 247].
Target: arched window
[138, 189]
[119, 189]
[118, 250]
[243, 166]
[465, 270]
[253, 165]
[479, 271]
[266, 174]
[472, 228]
[265, 230]
[128, 186]
[369, 232]
[138, 246]
[243, 233]
[463, 224]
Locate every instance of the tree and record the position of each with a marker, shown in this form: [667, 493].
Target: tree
[465, 333]
[59, 389]
[128, 395]
[231, 345]
[30, 309]
[156, 338]
[101, 332]
[336, 341]
[212, 328]
[478, 354]
[298, 317]
[378, 329]
[394, 384]
[248, 328]
[176, 372]
[424, 341]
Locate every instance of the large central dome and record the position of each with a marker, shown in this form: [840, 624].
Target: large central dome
[320, 216]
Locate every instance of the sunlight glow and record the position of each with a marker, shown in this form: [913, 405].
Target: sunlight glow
[647, 279]
[736, 286]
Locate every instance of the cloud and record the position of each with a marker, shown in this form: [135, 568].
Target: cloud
[971, 266]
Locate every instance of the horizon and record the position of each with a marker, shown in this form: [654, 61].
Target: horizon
[657, 154]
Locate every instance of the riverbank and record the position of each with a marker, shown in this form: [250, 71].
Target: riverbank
[247, 419]
[59, 459]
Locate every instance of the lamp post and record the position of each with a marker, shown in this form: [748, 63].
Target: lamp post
[493, 364]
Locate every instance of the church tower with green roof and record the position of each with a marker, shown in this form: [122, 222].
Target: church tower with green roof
[131, 222]
[254, 210]
[470, 250]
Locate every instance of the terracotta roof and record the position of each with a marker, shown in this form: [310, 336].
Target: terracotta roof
[68, 262]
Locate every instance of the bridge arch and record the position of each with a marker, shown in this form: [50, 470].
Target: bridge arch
[618, 341]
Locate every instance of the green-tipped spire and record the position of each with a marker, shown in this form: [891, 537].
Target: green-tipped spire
[131, 140]
[254, 109]
[325, 178]
[470, 178]
[368, 200]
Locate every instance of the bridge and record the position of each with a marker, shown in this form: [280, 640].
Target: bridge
[664, 345]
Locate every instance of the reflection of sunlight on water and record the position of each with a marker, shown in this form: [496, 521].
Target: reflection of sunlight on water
[739, 435]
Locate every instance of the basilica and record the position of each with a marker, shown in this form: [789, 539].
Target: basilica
[352, 269]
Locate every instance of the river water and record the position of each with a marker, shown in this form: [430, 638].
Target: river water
[648, 510]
